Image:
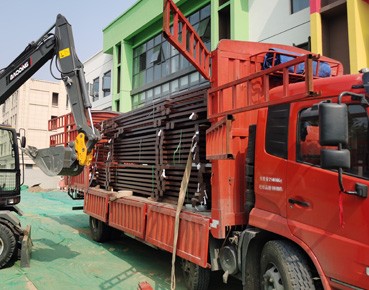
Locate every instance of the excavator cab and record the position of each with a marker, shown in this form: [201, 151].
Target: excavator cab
[9, 168]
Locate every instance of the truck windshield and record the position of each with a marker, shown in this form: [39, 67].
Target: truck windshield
[308, 147]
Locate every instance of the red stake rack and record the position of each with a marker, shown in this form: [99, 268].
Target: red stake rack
[185, 38]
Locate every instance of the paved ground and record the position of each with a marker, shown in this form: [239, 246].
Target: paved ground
[65, 257]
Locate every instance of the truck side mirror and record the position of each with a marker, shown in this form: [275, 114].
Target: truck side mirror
[333, 119]
[335, 159]
[23, 142]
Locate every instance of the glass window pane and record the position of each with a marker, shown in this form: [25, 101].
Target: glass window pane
[165, 49]
[149, 75]
[142, 61]
[136, 65]
[149, 54]
[174, 64]
[141, 80]
[194, 18]
[174, 86]
[165, 68]
[184, 63]
[194, 78]
[157, 72]
[141, 97]
[150, 44]
[183, 82]
[173, 51]
[205, 12]
[149, 95]
[157, 92]
[165, 88]
[358, 140]
[157, 39]
[297, 5]
[139, 50]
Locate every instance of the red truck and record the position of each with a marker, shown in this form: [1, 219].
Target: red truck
[283, 196]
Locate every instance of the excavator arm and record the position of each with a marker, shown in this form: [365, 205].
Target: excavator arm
[59, 44]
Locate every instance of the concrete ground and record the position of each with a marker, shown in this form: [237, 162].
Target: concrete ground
[65, 257]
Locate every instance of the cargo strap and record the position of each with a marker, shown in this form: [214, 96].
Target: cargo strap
[181, 197]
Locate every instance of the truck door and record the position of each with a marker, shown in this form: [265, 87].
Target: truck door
[332, 224]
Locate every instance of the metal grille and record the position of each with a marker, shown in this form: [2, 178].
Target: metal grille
[7, 181]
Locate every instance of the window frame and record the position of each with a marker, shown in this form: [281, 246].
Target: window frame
[298, 9]
[300, 159]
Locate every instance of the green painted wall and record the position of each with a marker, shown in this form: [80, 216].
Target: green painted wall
[144, 20]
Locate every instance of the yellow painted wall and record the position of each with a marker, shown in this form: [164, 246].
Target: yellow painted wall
[358, 26]
[316, 33]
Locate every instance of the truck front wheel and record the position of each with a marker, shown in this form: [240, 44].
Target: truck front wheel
[7, 245]
[196, 277]
[284, 267]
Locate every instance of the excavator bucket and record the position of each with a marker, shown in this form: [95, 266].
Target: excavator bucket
[54, 161]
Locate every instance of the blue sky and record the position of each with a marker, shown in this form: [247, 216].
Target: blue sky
[23, 21]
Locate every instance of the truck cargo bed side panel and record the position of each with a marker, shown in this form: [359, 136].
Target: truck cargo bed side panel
[96, 204]
[129, 216]
[193, 238]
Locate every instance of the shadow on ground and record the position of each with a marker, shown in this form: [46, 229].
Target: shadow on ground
[142, 259]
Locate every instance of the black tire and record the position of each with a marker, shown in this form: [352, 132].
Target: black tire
[284, 267]
[195, 277]
[7, 245]
[100, 231]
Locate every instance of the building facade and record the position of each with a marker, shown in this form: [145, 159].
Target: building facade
[98, 77]
[146, 67]
[339, 29]
[30, 108]
[282, 22]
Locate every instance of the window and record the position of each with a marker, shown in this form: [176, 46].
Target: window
[276, 139]
[67, 102]
[106, 83]
[55, 99]
[95, 89]
[142, 61]
[117, 105]
[157, 55]
[118, 80]
[297, 5]
[308, 147]
[157, 64]
[225, 23]
[119, 53]
[204, 29]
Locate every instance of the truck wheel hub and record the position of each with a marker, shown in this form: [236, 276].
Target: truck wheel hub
[273, 279]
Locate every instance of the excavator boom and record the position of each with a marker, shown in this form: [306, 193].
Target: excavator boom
[57, 44]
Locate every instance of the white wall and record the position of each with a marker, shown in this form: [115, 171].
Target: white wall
[96, 67]
[36, 176]
[271, 21]
[30, 107]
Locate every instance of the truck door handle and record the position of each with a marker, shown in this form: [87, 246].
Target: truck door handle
[298, 202]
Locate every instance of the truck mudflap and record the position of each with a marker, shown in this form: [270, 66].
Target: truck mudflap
[54, 161]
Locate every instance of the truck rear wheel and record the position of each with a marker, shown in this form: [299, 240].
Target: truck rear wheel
[196, 277]
[284, 267]
[100, 231]
[7, 245]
